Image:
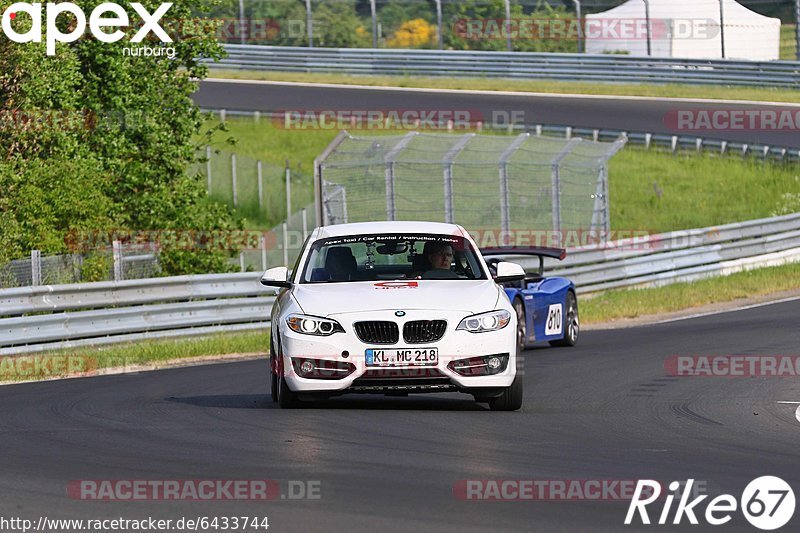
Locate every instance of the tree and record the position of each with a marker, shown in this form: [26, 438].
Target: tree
[94, 139]
[337, 25]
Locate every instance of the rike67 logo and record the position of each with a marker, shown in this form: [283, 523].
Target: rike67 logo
[767, 502]
[103, 23]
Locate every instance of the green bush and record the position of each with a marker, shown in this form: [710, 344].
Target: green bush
[96, 267]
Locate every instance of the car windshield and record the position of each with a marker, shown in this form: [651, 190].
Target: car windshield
[391, 257]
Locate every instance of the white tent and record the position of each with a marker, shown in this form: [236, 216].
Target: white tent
[684, 29]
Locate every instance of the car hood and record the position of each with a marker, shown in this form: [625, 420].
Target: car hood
[327, 299]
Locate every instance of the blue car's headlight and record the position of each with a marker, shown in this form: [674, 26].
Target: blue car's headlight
[313, 325]
[491, 321]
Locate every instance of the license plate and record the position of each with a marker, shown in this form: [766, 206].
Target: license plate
[402, 357]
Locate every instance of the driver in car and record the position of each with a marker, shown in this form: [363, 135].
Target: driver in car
[437, 262]
[439, 255]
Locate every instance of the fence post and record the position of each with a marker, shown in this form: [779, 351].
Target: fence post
[797, 26]
[263, 252]
[233, 181]
[223, 115]
[208, 170]
[374, 12]
[579, 15]
[722, 25]
[390, 200]
[116, 251]
[647, 25]
[507, 26]
[241, 262]
[288, 190]
[505, 157]
[305, 223]
[440, 25]
[606, 206]
[36, 268]
[309, 24]
[449, 161]
[556, 195]
[391, 206]
[285, 244]
[242, 22]
[555, 177]
[260, 188]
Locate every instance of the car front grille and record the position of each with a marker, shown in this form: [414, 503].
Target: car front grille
[377, 332]
[422, 331]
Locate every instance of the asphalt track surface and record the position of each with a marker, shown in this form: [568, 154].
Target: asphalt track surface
[603, 410]
[618, 113]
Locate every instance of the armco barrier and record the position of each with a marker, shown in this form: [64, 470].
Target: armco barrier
[99, 313]
[646, 139]
[38, 318]
[517, 65]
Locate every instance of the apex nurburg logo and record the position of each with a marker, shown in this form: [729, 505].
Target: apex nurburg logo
[105, 16]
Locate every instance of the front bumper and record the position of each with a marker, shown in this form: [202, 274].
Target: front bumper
[347, 351]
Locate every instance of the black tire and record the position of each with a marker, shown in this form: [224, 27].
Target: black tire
[511, 399]
[522, 330]
[285, 397]
[273, 375]
[572, 324]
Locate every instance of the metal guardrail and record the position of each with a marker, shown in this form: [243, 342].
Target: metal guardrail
[682, 255]
[39, 318]
[517, 65]
[49, 317]
[646, 139]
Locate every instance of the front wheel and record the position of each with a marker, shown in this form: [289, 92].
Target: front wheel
[511, 399]
[281, 391]
[286, 398]
[522, 329]
[572, 325]
[273, 374]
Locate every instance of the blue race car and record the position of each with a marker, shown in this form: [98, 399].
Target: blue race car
[547, 307]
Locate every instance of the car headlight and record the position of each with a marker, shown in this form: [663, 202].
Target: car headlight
[491, 321]
[313, 325]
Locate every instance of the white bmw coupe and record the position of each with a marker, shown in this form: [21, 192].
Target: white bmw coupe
[393, 308]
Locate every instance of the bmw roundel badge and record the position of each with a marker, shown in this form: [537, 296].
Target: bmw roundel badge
[399, 313]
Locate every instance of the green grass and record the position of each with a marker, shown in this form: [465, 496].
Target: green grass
[58, 363]
[788, 42]
[620, 304]
[542, 86]
[275, 147]
[659, 191]
[696, 190]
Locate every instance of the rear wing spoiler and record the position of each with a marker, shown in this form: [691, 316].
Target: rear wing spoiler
[539, 251]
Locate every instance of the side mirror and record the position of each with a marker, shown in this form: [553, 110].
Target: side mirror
[509, 272]
[276, 277]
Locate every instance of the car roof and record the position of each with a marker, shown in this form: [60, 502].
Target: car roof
[362, 228]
